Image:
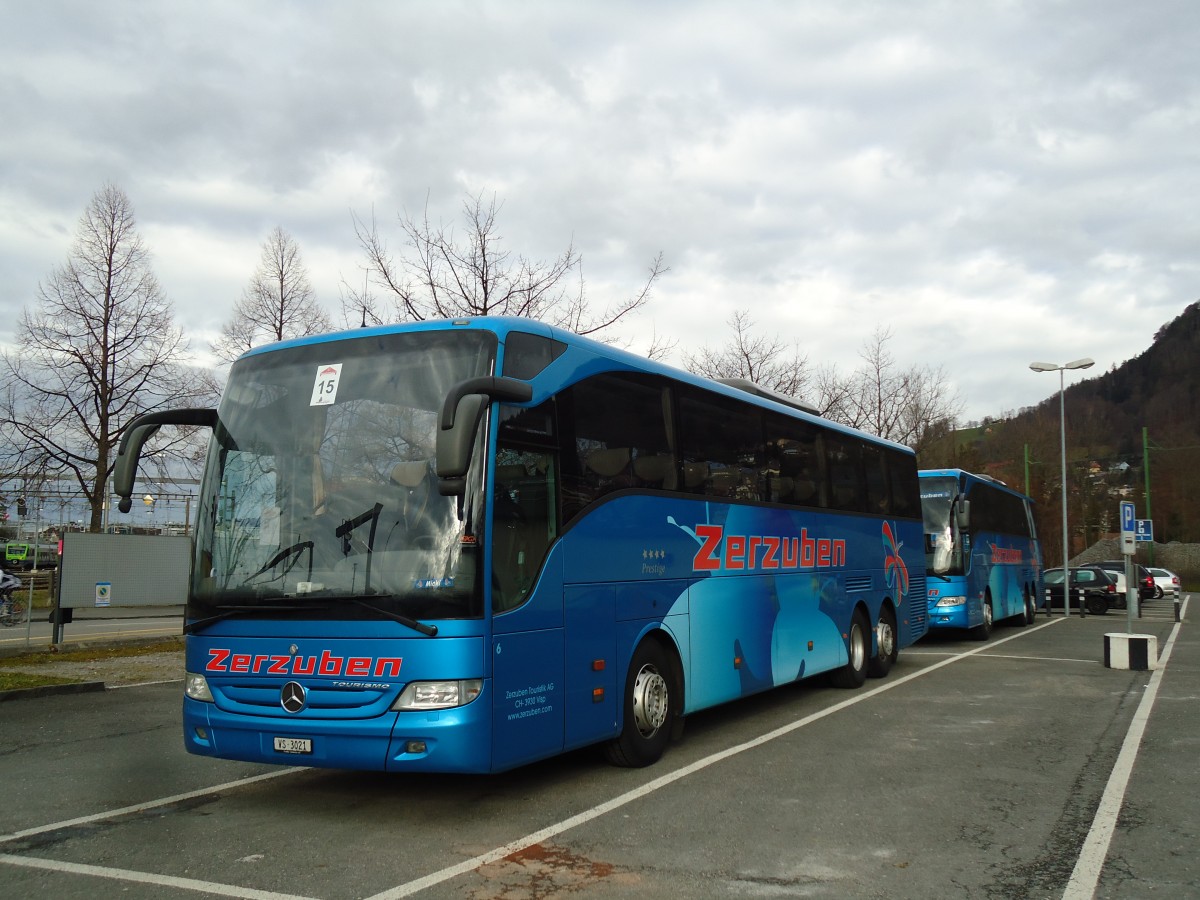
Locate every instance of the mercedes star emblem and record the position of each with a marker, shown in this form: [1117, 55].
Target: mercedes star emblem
[292, 697]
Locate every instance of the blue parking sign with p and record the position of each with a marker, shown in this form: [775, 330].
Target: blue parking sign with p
[1128, 517]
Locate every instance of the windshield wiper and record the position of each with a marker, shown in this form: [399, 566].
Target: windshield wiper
[242, 609]
[201, 624]
[294, 550]
[430, 630]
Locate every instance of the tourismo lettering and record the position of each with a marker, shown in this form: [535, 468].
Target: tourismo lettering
[740, 551]
[327, 665]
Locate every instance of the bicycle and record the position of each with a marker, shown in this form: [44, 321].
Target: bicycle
[12, 611]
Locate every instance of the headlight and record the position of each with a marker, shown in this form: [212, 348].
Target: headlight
[952, 601]
[438, 694]
[196, 687]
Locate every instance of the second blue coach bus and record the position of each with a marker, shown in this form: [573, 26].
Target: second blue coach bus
[983, 559]
[466, 545]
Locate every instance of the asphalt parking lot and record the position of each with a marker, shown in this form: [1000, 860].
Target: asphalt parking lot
[1020, 767]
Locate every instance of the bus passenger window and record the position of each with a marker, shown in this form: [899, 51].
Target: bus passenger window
[616, 438]
[524, 522]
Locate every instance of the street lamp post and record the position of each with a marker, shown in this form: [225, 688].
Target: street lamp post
[1084, 363]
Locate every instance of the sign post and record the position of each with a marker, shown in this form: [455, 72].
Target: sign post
[1128, 547]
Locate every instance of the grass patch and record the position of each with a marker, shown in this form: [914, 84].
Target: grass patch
[87, 654]
[17, 681]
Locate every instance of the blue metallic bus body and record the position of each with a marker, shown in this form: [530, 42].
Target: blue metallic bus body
[1004, 567]
[749, 595]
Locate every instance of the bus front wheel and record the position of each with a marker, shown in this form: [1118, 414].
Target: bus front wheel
[650, 708]
[887, 646]
[858, 650]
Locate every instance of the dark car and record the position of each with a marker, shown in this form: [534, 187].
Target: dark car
[1098, 586]
[1145, 581]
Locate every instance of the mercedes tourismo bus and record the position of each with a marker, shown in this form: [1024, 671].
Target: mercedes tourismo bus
[983, 559]
[466, 545]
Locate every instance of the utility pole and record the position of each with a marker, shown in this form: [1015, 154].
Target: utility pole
[1146, 472]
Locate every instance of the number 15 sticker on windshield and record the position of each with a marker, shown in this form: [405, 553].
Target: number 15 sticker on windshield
[325, 388]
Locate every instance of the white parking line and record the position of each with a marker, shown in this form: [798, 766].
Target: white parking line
[188, 884]
[1086, 875]
[1091, 858]
[149, 804]
[529, 840]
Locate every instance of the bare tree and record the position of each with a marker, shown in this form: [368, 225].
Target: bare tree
[442, 276]
[278, 303]
[768, 362]
[909, 406]
[100, 348]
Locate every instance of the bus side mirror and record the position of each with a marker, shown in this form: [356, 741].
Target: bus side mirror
[139, 431]
[454, 444]
[459, 423]
[963, 514]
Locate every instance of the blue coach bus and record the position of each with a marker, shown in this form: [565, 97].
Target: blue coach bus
[983, 559]
[462, 546]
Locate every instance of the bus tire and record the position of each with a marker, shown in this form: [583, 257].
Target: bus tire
[1029, 616]
[858, 651]
[650, 705]
[984, 631]
[886, 642]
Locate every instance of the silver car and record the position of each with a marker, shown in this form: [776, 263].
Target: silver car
[1165, 582]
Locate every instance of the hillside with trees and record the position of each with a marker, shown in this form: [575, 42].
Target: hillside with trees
[1144, 413]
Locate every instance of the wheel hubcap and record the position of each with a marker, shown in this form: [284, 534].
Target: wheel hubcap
[886, 639]
[650, 701]
[858, 647]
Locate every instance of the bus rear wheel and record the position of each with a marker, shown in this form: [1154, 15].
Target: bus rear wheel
[858, 649]
[984, 631]
[1029, 614]
[886, 643]
[651, 701]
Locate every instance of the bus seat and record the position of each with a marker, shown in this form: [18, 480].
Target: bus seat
[694, 474]
[723, 483]
[781, 489]
[413, 478]
[656, 471]
[410, 474]
[803, 490]
[608, 462]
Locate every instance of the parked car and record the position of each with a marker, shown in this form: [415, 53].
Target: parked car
[1099, 588]
[1165, 581]
[1145, 580]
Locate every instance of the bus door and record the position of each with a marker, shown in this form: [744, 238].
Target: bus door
[527, 607]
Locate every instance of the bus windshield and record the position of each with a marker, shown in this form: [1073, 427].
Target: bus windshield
[320, 498]
[937, 496]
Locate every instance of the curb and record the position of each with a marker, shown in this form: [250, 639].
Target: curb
[47, 690]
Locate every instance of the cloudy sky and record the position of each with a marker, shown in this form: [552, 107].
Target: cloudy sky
[995, 181]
